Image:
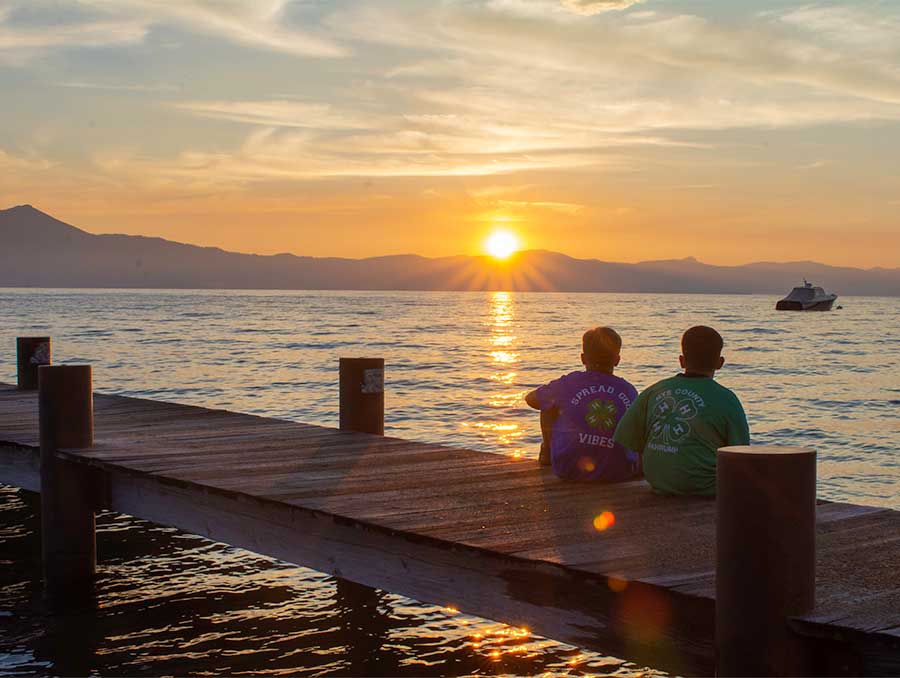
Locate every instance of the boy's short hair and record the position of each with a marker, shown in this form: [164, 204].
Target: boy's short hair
[702, 347]
[601, 346]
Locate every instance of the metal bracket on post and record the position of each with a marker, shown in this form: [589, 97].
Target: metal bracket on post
[31, 353]
[362, 395]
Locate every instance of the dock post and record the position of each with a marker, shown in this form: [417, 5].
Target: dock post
[766, 558]
[68, 540]
[362, 410]
[362, 395]
[31, 353]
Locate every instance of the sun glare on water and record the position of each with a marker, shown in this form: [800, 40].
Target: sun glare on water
[502, 244]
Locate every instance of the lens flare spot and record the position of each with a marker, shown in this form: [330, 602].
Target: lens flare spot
[646, 614]
[604, 521]
[616, 584]
[587, 464]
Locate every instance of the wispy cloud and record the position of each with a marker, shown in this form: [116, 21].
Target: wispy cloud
[261, 24]
[503, 88]
[118, 87]
[270, 154]
[591, 7]
[815, 164]
[22, 41]
[23, 163]
[256, 23]
[278, 113]
[568, 208]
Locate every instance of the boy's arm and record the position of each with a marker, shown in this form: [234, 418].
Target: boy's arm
[738, 432]
[544, 397]
[632, 428]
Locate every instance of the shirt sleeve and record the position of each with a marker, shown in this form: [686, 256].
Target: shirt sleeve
[632, 429]
[548, 395]
[738, 430]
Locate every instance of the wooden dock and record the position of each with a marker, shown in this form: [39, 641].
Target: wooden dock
[487, 534]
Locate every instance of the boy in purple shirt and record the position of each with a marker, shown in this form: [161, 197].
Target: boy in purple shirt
[580, 411]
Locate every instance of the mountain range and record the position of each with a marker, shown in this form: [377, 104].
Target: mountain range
[37, 250]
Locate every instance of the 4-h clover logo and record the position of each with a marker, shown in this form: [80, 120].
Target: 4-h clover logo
[602, 414]
[671, 419]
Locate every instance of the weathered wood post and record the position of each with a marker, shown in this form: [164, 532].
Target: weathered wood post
[31, 353]
[362, 395]
[766, 561]
[361, 409]
[67, 497]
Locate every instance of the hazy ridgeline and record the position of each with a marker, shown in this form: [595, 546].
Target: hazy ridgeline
[37, 250]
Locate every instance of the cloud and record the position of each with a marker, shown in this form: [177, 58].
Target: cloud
[120, 87]
[567, 208]
[495, 86]
[501, 89]
[256, 23]
[283, 155]
[278, 113]
[23, 163]
[661, 59]
[34, 27]
[591, 7]
[21, 41]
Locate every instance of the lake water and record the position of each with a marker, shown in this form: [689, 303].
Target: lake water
[457, 366]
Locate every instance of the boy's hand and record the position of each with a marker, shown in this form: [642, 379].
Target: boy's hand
[544, 456]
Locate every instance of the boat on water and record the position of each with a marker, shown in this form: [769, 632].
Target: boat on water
[807, 298]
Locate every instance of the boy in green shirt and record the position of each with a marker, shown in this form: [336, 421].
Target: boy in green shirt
[679, 423]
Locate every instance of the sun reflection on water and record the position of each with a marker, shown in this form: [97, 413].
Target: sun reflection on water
[502, 358]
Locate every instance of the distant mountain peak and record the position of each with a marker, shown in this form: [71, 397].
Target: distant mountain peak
[30, 222]
[27, 209]
[22, 208]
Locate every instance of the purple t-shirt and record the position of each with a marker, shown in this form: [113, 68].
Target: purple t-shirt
[590, 405]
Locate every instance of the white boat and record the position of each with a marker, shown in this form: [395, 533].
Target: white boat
[807, 298]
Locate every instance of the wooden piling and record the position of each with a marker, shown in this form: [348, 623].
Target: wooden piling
[362, 395]
[766, 558]
[361, 410]
[31, 353]
[67, 497]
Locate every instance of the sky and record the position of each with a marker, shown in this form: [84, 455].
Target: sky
[623, 130]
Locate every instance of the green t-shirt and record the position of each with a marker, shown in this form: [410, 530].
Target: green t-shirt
[678, 424]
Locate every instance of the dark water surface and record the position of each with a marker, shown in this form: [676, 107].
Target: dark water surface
[457, 367]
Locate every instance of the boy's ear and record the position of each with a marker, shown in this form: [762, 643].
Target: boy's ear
[681, 360]
[721, 362]
[618, 360]
[583, 360]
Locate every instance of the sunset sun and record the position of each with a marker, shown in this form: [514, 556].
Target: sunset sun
[502, 244]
